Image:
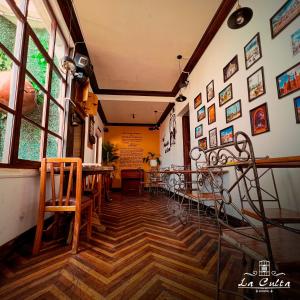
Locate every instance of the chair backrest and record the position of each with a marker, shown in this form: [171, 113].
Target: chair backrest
[64, 174]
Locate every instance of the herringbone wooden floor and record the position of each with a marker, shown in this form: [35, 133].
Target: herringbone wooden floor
[144, 254]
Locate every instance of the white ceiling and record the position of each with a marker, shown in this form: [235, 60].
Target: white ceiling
[121, 111]
[133, 44]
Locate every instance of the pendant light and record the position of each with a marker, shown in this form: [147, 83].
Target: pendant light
[240, 17]
[181, 97]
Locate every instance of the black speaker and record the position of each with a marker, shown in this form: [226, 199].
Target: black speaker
[105, 129]
[83, 64]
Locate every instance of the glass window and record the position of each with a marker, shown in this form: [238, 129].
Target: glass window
[30, 142]
[60, 49]
[33, 101]
[40, 22]
[55, 118]
[36, 63]
[53, 146]
[6, 122]
[56, 86]
[8, 76]
[8, 26]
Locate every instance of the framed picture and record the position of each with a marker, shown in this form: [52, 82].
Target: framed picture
[226, 135]
[231, 68]
[256, 84]
[213, 140]
[211, 112]
[233, 112]
[210, 91]
[259, 119]
[284, 16]
[225, 95]
[202, 143]
[252, 51]
[201, 114]
[296, 42]
[198, 101]
[199, 131]
[289, 81]
[297, 108]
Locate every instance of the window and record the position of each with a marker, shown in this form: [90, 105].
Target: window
[31, 46]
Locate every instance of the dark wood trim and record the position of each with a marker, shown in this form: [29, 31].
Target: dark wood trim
[166, 112]
[6, 108]
[101, 113]
[135, 93]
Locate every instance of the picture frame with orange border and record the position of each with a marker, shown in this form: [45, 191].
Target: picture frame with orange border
[211, 112]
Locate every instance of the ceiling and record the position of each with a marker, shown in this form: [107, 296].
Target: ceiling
[133, 44]
[120, 111]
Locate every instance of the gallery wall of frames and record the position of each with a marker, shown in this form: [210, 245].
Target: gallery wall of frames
[249, 80]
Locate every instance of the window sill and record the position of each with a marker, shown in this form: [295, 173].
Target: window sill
[17, 173]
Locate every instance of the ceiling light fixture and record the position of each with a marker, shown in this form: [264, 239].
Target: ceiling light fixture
[240, 17]
[183, 81]
[156, 126]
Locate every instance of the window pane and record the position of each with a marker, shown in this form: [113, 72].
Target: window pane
[53, 146]
[33, 101]
[60, 49]
[55, 118]
[36, 63]
[8, 26]
[6, 124]
[8, 76]
[21, 4]
[56, 87]
[30, 142]
[39, 21]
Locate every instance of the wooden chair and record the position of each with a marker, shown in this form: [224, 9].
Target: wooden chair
[68, 170]
[92, 187]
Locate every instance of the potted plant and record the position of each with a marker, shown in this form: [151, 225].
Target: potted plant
[109, 153]
[152, 159]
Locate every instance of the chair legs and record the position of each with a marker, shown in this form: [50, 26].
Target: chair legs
[89, 222]
[76, 232]
[38, 234]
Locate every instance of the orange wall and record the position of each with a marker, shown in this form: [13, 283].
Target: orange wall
[133, 143]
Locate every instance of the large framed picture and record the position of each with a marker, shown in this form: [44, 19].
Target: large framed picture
[197, 101]
[199, 131]
[202, 143]
[256, 84]
[231, 68]
[297, 108]
[211, 112]
[284, 16]
[225, 95]
[289, 81]
[252, 51]
[226, 135]
[213, 139]
[210, 91]
[233, 112]
[259, 119]
[201, 114]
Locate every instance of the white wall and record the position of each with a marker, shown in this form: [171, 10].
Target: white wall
[284, 136]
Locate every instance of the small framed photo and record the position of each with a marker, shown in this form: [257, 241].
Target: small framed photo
[210, 91]
[201, 114]
[297, 108]
[233, 112]
[213, 139]
[226, 135]
[252, 51]
[289, 81]
[197, 101]
[231, 68]
[296, 42]
[259, 119]
[199, 131]
[211, 112]
[289, 11]
[225, 95]
[202, 143]
[256, 84]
